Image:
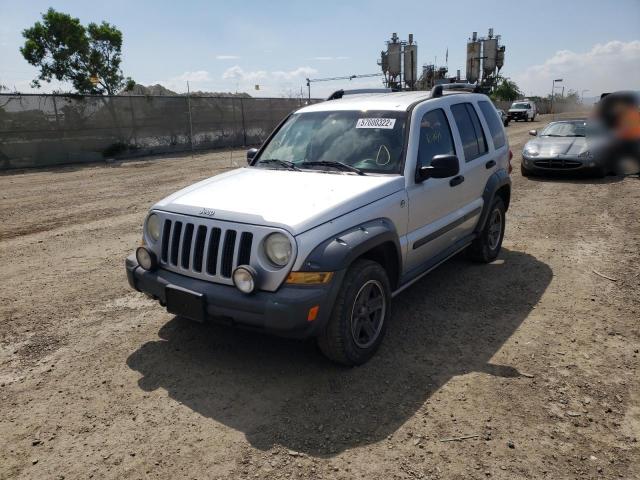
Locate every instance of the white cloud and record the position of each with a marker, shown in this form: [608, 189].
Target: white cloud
[330, 58]
[198, 76]
[239, 74]
[606, 67]
[300, 72]
[227, 57]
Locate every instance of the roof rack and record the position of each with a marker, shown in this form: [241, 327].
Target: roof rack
[438, 90]
[341, 93]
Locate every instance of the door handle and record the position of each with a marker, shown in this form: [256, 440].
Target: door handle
[490, 164]
[456, 180]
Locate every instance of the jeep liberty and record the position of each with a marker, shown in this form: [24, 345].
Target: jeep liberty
[346, 204]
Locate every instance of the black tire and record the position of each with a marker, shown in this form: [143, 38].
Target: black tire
[338, 341]
[487, 246]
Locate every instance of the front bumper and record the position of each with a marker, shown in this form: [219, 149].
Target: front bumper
[517, 116]
[282, 313]
[560, 164]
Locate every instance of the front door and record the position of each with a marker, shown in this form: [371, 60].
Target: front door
[433, 203]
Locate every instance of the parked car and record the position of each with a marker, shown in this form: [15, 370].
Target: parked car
[348, 203]
[523, 110]
[561, 146]
[504, 117]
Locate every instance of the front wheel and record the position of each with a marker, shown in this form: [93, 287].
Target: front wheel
[358, 321]
[487, 246]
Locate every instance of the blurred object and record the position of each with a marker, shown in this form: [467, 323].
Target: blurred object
[618, 114]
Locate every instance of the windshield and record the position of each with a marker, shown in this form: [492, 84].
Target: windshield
[565, 129]
[370, 141]
[520, 105]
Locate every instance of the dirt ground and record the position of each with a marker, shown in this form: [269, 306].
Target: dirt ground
[533, 358]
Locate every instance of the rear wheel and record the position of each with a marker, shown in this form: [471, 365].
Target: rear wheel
[358, 321]
[487, 246]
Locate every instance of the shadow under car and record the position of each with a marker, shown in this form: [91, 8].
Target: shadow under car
[284, 392]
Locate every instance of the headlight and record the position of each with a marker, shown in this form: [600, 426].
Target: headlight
[531, 151]
[586, 154]
[244, 278]
[153, 227]
[146, 259]
[278, 249]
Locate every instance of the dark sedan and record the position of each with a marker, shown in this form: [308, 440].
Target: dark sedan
[561, 146]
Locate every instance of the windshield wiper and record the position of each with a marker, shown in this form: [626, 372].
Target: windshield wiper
[338, 165]
[283, 163]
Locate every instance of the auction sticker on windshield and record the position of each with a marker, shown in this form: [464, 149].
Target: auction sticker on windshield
[376, 123]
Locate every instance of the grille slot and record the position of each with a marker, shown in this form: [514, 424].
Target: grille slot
[175, 242]
[166, 232]
[198, 254]
[186, 245]
[227, 253]
[244, 252]
[212, 255]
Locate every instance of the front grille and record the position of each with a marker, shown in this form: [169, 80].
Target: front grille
[559, 163]
[210, 249]
[193, 247]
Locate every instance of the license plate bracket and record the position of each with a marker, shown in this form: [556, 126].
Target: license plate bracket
[184, 302]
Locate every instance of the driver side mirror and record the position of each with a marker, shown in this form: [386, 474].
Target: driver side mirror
[442, 166]
[251, 153]
[533, 132]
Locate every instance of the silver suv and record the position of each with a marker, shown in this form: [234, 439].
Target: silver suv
[346, 204]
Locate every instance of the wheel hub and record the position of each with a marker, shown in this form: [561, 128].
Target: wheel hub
[367, 314]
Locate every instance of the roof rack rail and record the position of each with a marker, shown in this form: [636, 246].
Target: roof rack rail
[341, 93]
[438, 90]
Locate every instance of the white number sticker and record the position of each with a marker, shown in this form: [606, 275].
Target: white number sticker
[376, 123]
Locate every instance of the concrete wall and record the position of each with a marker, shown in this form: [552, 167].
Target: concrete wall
[46, 130]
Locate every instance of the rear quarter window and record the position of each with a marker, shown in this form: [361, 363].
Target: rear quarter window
[494, 123]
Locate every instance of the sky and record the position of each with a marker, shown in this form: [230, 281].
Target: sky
[232, 46]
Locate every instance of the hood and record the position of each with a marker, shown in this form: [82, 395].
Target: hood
[552, 146]
[295, 201]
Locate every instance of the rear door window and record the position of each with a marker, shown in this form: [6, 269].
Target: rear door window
[474, 142]
[494, 123]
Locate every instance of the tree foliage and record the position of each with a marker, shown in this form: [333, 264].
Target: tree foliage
[506, 90]
[65, 50]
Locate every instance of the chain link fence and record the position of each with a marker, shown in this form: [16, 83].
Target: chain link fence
[46, 130]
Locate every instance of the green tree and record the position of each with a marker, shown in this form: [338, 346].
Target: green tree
[87, 57]
[506, 90]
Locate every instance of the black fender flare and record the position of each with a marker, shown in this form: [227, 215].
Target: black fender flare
[496, 181]
[339, 251]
